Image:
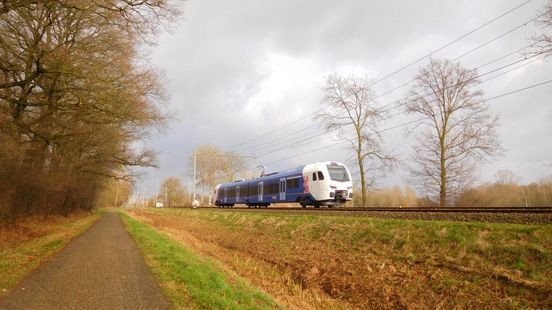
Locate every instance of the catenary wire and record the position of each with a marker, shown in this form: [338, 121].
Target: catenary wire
[276, 146]
[412, 121]
[394, 72]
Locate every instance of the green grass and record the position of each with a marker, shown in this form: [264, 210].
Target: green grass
[192, 281]
[483, 246]
[469, 265]
[22, 250]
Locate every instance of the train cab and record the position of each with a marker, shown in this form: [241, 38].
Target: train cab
[329, 183]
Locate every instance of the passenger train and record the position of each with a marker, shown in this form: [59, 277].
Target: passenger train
[317, 184]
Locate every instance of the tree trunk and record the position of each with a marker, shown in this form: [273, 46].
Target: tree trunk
[361, 168]
[443, 185]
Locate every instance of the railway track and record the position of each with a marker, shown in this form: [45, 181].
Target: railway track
[514, 215]
[541, 209]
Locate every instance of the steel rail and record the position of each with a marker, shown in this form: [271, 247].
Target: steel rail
[538, 209]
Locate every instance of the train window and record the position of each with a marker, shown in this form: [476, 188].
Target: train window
[253, 191]
[293, 183]
[338, 173]
[320, 176]
[314, 176]
[243, 191]
[271, 189]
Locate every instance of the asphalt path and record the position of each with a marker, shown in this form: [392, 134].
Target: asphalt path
[100, 269]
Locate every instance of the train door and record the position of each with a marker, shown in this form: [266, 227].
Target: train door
[225, 195]
[260, 194]
[283, 189]
[237, 194]
[315, 186]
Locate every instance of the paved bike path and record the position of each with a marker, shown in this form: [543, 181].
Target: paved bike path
[100, 269]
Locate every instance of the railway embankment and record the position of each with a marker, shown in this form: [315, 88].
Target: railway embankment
[304, 260]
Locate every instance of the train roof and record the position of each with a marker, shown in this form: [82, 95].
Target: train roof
[280, 174]
[270, 176]
[294, 171]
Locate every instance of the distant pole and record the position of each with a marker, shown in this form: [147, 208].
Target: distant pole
[194, 180]
[253, 168]
[194, 201]
[166, 196]
[116, 193]
[156, 191]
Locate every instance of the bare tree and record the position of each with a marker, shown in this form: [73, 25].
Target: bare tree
[543, 41]
[209, 166]
[351, 105]
[174, 189]
[458, 131]
[233, 166]
[506, 177]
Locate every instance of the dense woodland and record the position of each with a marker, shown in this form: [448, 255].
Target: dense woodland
[76, 99]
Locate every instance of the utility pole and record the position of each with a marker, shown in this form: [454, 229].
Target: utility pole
[195, 203]
[116, 193]
[156, 191]
[167, 196]
[253, 170]
[144, 199]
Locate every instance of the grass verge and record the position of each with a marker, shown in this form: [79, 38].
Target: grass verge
[32, 241]
[192, 281]
[375, 263]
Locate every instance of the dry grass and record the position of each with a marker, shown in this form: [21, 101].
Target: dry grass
[342, 262]
[261, 271]
[29, 242]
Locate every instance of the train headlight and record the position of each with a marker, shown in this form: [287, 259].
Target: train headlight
[350, 195]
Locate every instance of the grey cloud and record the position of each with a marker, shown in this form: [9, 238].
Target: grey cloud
[217, 63]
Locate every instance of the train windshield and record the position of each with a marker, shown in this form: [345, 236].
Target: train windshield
[338, 173]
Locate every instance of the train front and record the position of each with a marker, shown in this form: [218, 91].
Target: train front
[341, 186]
[329, 183]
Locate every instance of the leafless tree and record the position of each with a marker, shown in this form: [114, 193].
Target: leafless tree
[209, 164]
[216, 166]
[351, 105]
[543, 41]
[506, 177]
[233, 165]
[458, 132]
[174, 189]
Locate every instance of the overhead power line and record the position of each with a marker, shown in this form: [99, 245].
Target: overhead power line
[398, 103]
[419, 120]
[392, 73]
[283, 143]
[394, 104]
[451, 42]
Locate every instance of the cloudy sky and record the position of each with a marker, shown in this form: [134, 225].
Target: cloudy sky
[247, 75]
